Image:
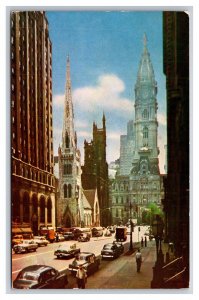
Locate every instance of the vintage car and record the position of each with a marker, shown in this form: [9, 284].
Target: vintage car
[68, 236]
[41, 240]
[107, 233]
[66, 251]
[110, 250]
[120, 246]
[84, 237]
[40, 277]
[17, 239]
[86, 259]
[59, 237]
[25, 246]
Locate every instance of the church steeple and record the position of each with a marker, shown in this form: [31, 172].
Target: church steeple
[68, 134]
[145, 70]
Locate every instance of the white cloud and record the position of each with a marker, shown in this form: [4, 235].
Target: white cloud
[162, 119]
[106, 95]
[81, 124]
[58, 100]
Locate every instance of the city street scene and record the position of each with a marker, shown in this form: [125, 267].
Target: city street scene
[99, 150]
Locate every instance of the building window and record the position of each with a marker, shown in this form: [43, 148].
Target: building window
[67, 169]
[65, 190]
[145, 132]
[145, 114]
[69, 191]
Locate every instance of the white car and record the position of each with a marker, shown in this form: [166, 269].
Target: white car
[26, 246]
[41, 241]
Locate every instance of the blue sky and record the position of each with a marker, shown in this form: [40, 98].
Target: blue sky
[105, 49]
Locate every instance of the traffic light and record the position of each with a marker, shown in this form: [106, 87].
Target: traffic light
[139, 228]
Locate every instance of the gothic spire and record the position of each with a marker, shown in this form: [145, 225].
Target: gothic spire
[68, 134]
[145, 71]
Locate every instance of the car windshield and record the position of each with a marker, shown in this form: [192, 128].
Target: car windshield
[28, 276]
[108, 246]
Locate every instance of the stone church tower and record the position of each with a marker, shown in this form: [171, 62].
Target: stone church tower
[69, 206]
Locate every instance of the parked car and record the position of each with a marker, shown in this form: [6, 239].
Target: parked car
[41, 240]
[17, 239]
[110, 250]
[59, 237]
[66, 251]
[111, 228]
[120, 246]
[26, 246]
[40, 277]
[86, 259]
[107, 233]
[84, 237]
[68, 236]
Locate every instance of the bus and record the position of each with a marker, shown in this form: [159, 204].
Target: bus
[97, 231]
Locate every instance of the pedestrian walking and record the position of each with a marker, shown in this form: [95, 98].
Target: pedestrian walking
[145, 241]
[138, 258]
[142, 242]
[81, 277]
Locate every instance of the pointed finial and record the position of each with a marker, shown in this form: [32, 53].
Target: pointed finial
[145, 40]
[68, 60]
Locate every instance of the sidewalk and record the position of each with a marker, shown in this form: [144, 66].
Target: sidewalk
[121, 273]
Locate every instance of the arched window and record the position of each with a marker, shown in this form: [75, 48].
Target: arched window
[26, 208]
[67, 169]
[145, 114]
[49, 211]
[67, 140]
[69, 191]
[65, 190]
[145, 132]
[42, 210]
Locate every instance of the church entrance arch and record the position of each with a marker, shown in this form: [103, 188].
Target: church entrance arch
[68, 222]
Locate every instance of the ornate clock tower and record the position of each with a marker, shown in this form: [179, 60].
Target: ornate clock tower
[145, 164]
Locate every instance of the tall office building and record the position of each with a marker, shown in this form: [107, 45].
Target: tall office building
[32, 186]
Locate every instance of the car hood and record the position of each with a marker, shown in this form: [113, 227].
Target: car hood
[23, 284]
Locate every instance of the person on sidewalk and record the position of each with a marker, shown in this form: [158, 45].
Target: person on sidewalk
[138, 258]
[81, 277]
[142, 242]
[145, 241]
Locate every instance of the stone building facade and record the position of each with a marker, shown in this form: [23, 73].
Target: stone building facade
[95, 170]
[138, 181]
[32, 181]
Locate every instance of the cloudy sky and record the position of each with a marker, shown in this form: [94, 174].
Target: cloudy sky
[105, 49]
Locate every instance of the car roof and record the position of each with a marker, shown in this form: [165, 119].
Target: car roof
[37, 268]
[85, 253]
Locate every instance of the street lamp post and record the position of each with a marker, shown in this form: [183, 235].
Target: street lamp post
[131, 231]
[157, 230]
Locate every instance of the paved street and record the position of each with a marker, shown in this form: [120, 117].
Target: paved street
[121, 273]
[113, 274]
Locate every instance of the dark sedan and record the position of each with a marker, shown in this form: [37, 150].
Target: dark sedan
[66, 251]
[86, 259]
[40, 277]
[84, 237]
[68, 236]
[110, 250]
[120, 246]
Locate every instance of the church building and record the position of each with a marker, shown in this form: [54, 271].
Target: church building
[69, 204]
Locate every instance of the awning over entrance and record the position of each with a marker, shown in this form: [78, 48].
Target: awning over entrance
[20, 230]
